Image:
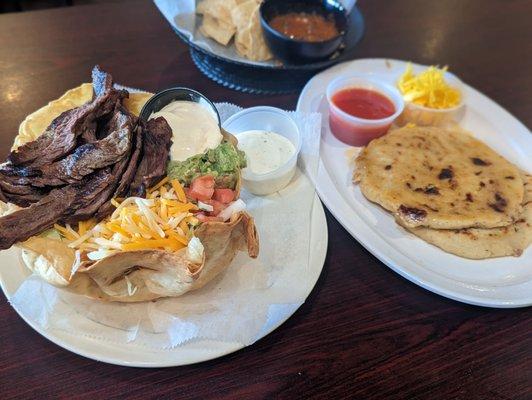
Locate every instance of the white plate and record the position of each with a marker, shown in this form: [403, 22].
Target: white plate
[500, 282]
[137, 356]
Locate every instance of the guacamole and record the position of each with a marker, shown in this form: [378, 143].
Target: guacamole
[223, 163]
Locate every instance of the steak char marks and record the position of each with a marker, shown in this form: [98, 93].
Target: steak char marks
[84, 160]
[86, 157]
[55, 207]
[129, 173]
[155, 151]
[60, 138]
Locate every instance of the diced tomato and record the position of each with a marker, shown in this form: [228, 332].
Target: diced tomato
[225, 196]
[217, 206]
[207, 218]
[202, 188]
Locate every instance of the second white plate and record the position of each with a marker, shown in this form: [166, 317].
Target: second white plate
[500, 282]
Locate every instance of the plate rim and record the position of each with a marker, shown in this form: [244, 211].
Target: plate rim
[323, 188]
[68, 342]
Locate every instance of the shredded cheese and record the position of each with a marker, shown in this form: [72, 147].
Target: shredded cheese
[179, 191]
[161, 183]
[161, 221]
[429, 88]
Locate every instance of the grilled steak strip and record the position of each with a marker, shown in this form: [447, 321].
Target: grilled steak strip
[88, 206]
[23, 224]
[17, 194]
[128, 175]
[92, 205]
[89, 197]
[3, 197]
[22, 200]
[12, 184]
[91, 156]
[155, 151]
[101, 81]
[99, 206]
[60, 138]
[86, 158]
[69, 204]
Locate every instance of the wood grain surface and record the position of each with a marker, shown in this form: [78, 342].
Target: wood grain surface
[364, 332]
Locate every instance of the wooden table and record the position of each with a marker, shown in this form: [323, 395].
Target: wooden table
[364, 332]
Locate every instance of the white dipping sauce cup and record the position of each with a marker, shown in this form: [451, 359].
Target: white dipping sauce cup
[269, 119]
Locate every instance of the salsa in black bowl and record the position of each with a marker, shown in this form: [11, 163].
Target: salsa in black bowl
[299, 31]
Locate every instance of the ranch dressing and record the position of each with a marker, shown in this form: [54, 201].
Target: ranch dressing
[194, 129]
[265, 151]
[270, 161]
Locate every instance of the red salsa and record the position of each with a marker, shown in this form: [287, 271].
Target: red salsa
[363, 103]
[310, 27]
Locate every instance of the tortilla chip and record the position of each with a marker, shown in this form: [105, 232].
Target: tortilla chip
[249, 39]
[219, 9]
[136, 101]
[142, 275]
[224, 18]
[132, 276]
[217, 22]
[51, 259]
[222, 241]
[217, 29]
[241, 14]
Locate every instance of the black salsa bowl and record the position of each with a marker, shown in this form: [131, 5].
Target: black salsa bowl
[299, 51]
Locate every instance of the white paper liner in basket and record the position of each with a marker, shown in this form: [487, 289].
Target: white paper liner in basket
[240, 306]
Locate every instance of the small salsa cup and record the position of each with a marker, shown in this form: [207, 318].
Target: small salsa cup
[357, 131]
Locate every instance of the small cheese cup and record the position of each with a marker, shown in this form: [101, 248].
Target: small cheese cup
[425, 116]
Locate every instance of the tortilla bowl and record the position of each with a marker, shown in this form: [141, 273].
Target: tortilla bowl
[137, 275]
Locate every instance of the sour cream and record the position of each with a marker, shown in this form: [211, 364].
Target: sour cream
[195, 130]
[270, 161]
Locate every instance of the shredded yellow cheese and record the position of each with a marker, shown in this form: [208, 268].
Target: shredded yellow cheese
[161, 183]
[179, 191]
[429, 88]
[161, 221]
